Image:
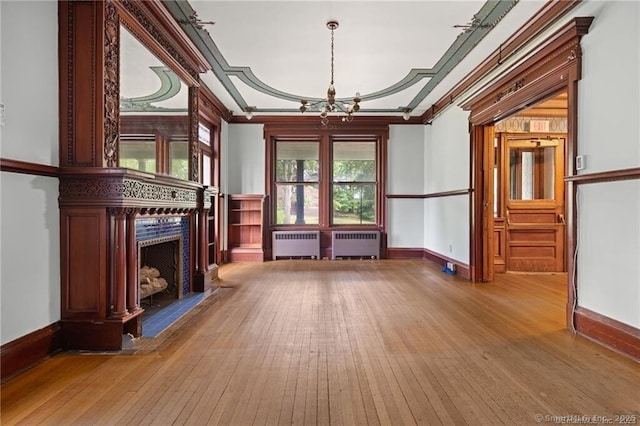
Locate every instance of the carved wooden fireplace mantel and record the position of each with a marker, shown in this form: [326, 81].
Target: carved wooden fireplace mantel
[99, 209]
[104, 208]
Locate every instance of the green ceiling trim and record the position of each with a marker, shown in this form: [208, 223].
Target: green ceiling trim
[481, 24]
[169, 87]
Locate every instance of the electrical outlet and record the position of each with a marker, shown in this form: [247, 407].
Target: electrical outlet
[580, 162]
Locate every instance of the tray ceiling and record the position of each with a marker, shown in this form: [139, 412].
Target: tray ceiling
[269, 55]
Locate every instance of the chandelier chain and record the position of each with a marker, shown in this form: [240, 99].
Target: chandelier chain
[331, 55]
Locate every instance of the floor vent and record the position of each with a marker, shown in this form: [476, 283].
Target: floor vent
[361, 244]
[296, 244]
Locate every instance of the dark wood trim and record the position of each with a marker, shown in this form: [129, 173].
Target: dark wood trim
[155, 27]
[426, 254]
[477, 202]
[28, 350]
[314, 120]
[462, 269]
[609, 176]
[212, 108]
[545, 71]
[612, 333]
[431, 195]
[24, 167]
[547, 15]
[405, 253]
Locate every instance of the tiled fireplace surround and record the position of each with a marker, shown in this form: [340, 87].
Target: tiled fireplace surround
[163, 228]
[104, 215]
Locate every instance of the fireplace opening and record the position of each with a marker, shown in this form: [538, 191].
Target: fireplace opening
[160, 274]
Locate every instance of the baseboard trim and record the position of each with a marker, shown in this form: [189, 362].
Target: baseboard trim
[25, 352]
[614, 334]
[422, 253]
[404, 253]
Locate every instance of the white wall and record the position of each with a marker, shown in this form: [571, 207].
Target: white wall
[29, 250]
[608, 255]
[446, 168]
[30, 244]
[246, 162]
[29, 79]
[405, 170]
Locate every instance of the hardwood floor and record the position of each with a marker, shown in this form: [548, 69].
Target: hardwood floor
[388, 342]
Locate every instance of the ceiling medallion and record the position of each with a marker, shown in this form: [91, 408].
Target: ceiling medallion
[330, 104]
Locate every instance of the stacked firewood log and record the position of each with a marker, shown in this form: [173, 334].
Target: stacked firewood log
[150, 281]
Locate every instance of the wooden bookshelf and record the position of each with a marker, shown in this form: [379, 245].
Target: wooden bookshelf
[246, 227]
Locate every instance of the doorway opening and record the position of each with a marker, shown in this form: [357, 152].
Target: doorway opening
[529, 197]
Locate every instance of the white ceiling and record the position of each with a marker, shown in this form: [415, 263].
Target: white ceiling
[271, 54]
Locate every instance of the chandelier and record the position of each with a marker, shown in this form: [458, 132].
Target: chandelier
[330, 104]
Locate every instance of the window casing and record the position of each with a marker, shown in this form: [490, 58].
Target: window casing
[338, 178]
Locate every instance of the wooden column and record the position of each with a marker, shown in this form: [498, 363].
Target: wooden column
[118, 282]
[133, 304]
[203, 232]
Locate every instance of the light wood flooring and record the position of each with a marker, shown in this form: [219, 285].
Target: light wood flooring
[388, 342]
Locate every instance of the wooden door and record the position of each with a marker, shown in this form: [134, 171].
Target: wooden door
[533, 191]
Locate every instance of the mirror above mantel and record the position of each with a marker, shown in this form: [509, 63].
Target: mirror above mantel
[154, 112]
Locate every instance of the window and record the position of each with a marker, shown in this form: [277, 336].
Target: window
[156, 144]
[532, 171]
[297, 182]
[354, 183]
[208, 145]
[179, 158]
[326, 180]
[138, 152]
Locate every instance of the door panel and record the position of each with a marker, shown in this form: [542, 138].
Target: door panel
[499, 246]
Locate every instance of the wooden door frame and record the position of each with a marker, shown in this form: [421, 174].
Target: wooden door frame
[552, 66]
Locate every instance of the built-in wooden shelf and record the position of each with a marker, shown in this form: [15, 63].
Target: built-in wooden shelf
[246, 227]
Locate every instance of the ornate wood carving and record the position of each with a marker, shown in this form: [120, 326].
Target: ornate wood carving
[69, 83]
[119, 189]
[111, 84]
[193, 132]
[153, 28]
[519, 84]
[80, 56]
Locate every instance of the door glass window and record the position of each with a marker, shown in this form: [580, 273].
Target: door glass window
[532, 172]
